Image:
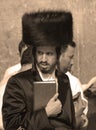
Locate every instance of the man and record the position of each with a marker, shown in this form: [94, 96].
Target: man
[46, 32]
[25, 52]
[65, 63]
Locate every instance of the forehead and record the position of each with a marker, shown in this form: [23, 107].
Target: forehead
[46, 48]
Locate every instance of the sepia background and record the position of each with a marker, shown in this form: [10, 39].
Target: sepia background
[84, 25]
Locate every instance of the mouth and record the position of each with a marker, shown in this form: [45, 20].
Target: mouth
[44, 65]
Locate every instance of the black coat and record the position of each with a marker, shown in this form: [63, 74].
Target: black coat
[18, 104]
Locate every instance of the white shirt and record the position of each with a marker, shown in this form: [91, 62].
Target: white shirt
[49, 77]
[76, 87]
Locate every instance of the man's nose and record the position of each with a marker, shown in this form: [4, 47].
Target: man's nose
[44, 58]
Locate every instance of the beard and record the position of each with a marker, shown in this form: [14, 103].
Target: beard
[44, 71]
[45, 67]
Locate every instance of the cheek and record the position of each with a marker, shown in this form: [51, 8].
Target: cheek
[69, 61]
[38, 59]
[52, 59]
[62, 62]
[65, 62]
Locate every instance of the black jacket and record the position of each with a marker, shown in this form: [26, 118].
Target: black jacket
[18, 104]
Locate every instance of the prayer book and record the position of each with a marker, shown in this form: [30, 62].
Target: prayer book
[43, 92]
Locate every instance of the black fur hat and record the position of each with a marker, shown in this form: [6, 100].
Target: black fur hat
[47, 28]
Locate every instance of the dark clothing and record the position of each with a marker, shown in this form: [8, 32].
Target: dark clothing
[91, 95]
[18, 104]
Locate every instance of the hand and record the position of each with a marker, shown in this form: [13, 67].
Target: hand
[84, 117]
[81, 121]
[54, 106]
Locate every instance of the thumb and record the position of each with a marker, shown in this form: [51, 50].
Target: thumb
[55, 97]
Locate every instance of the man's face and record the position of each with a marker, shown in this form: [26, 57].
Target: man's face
[66, 59]
[46, 58]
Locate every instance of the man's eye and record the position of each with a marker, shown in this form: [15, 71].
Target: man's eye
[40, 53]
[49, 53]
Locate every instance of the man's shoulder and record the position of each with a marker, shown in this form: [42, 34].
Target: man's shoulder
[20, 80]
[22, 75]
[74, 81]
[71, 76]
[12, 70]
[62, 75]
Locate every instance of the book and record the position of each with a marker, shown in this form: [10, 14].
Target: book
[43, 92]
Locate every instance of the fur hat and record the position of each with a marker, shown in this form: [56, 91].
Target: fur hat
[47, 28]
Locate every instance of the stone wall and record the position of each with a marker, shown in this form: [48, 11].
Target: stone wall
[84, 15]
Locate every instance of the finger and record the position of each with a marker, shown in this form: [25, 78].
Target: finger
[55, 97]
[59, 102]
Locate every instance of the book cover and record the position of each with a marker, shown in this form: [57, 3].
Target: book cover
[43, 92]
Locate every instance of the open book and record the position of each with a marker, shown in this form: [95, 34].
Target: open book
[43, 92]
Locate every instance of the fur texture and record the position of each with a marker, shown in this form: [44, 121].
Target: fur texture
[47, 28]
